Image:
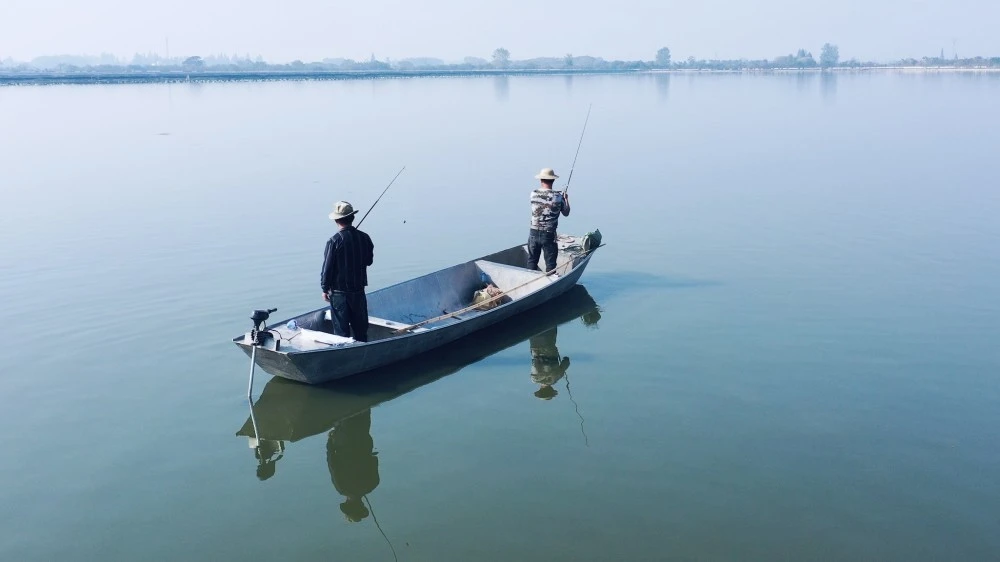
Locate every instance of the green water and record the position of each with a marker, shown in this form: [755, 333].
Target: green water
[786, 351]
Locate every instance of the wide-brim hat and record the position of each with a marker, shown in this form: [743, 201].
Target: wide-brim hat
[546, 174]
[341, 210]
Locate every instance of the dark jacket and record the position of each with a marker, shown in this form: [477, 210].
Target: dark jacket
[348, 253]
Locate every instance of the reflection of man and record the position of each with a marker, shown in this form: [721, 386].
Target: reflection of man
[547, 367]
[353, 463]
[267, 462]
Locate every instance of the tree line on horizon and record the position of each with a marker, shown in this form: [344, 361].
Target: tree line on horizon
[500, 60]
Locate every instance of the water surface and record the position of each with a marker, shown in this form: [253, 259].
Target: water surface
[786, 351]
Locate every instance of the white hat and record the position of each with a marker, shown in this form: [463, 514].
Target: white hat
[546, 174]
[341, 210]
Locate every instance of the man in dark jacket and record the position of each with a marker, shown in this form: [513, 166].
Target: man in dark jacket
[348, 254]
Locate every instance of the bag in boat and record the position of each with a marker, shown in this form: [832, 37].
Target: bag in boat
[591, 240]
[481, 298]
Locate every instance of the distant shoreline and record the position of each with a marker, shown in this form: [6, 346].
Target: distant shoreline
[97, 78]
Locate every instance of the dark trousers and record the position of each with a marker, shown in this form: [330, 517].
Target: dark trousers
[349, 312]
[539, 240]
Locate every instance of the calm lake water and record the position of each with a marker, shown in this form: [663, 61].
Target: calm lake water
[788, 349]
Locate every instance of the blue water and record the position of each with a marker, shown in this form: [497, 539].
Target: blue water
[786, 351]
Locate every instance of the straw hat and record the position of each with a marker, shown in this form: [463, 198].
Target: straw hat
[341, 210]
[546, 174]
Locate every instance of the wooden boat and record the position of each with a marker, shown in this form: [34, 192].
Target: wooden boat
[418, 315]
[288, 412]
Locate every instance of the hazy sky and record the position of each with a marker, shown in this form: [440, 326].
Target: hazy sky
[624, 29]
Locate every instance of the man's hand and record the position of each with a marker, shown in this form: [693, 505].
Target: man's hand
[326, 297]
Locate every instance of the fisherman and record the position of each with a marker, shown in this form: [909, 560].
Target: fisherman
[546, 206]
[344, 277]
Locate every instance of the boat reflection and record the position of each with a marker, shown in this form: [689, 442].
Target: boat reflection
[287, 411]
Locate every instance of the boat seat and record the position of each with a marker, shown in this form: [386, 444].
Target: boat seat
[386, 323]
[506, 277]
[376, 321]
[486, 264]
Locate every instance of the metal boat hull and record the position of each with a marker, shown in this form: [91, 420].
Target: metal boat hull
[288, 411]
[324, 365]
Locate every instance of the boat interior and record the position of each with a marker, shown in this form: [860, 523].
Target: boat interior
[445, 292]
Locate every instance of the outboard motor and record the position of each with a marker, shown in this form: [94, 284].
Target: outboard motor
[259, 318]
[258, 335]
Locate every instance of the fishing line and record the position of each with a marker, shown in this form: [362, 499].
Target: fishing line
[380, 528]
[586, 441]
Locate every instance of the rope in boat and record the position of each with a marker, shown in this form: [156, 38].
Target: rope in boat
[478, 305]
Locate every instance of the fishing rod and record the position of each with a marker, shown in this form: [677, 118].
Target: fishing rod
[578, 149]
[380, 196]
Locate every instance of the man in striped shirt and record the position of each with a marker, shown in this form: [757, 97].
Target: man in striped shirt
[344, 277]
[546, 206]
